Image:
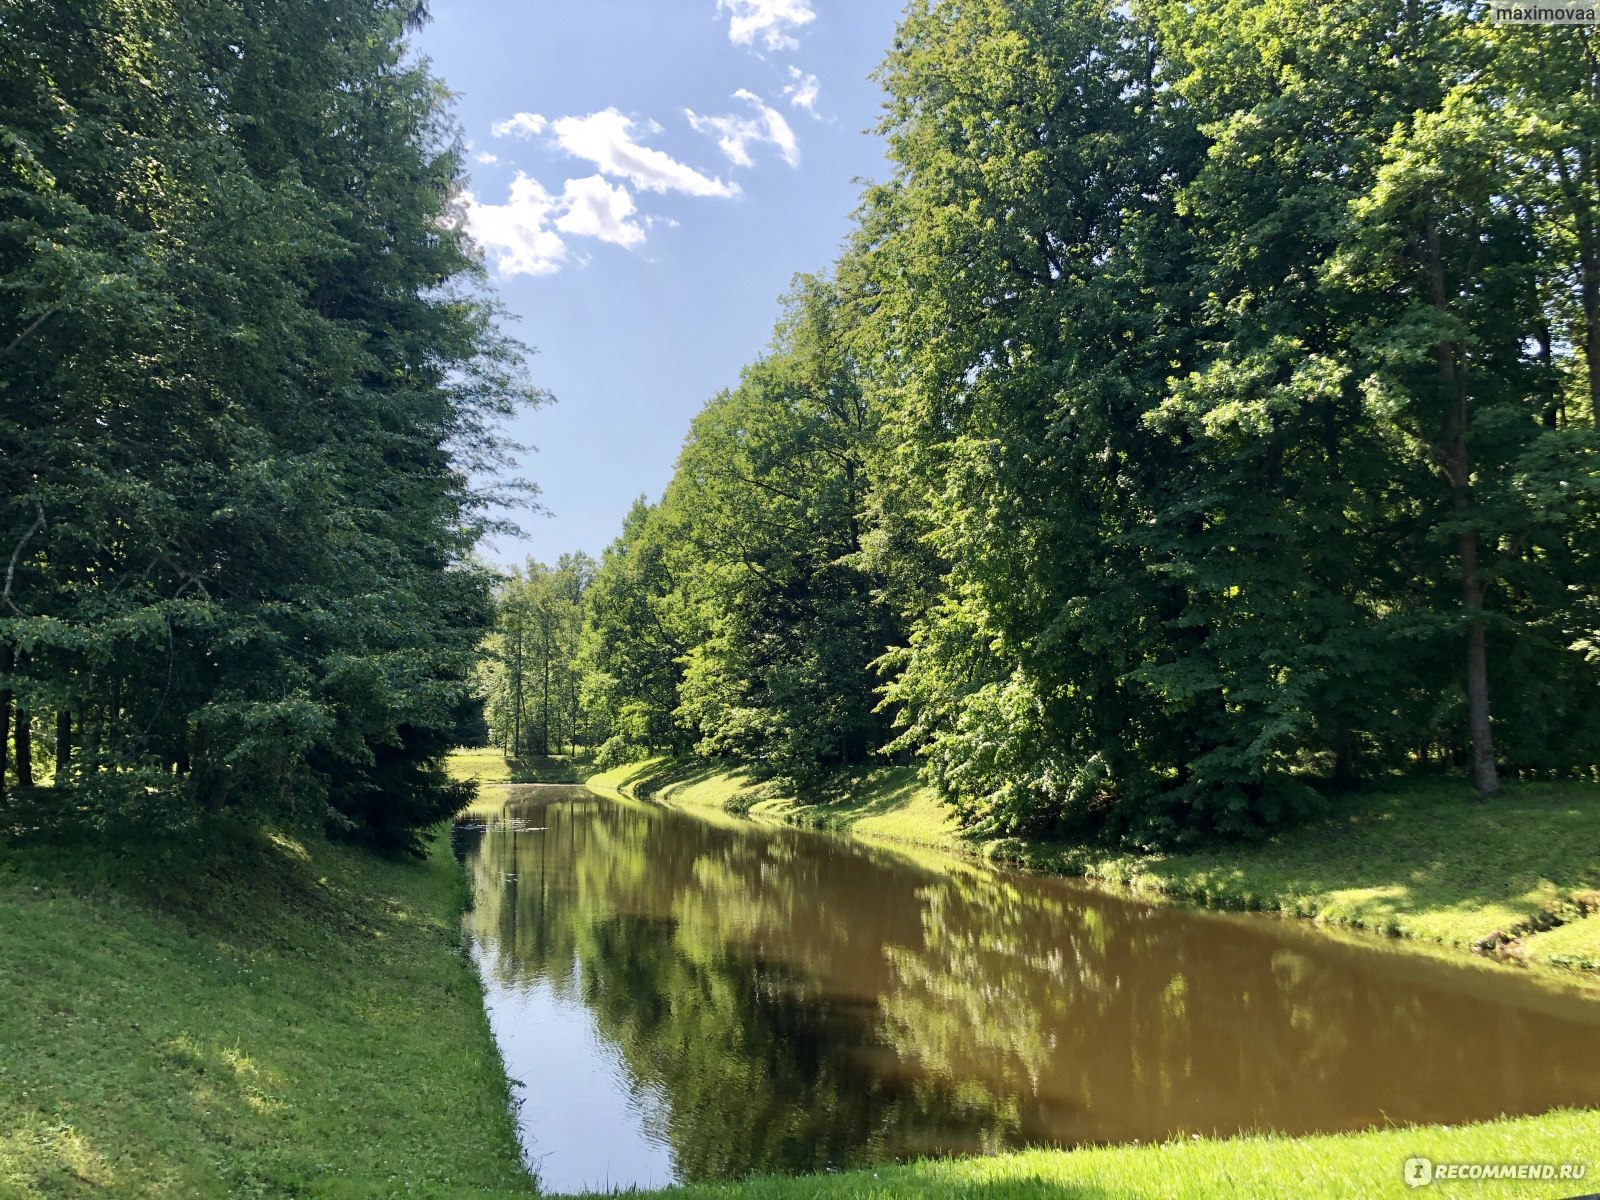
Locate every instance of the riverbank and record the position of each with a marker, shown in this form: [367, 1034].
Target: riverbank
[1329, 1167]
[234, 1014]
[1515, 878]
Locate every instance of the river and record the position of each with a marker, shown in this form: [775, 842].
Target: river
[681, 997]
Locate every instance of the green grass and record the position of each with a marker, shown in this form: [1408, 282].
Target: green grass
[1337, 1165]
[1575, 945]
[239, 1015]
[1424, 861]
[489, 765]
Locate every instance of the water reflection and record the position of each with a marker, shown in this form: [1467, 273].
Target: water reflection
[694, 1000]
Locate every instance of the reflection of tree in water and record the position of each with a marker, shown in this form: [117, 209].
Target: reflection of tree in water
[760, 1077]
[972, 990]
[804, 1003]
[1100, 1019]
[765, 1066]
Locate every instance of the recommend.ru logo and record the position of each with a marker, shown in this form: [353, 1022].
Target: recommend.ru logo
[1422, 1172]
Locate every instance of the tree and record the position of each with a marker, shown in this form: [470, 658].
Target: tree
[246, 375]
[539, 617]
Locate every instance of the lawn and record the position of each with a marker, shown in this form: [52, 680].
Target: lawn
[235, 1014]
[1338, 1166]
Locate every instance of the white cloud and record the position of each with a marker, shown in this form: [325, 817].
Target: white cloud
[606, 139]
[517, 234]
[769, 20]
[736, 133]
[523, 124]
[802, 90]
[597, 209]
[523, 236]
[486, 158]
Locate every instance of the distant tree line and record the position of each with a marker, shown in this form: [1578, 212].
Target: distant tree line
[529, 676]
[246, 371]
[1202, 416]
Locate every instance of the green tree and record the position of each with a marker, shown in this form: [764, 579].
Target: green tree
[246, 374]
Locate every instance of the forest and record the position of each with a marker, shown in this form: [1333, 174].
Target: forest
[250, 383]
[1199, 420]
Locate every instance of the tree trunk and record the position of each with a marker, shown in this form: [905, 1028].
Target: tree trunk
[545, 704]
[24, 737]
[1459, 468]
[63, 743]
[1484, 777]
[516, 698]
[7, 658]
[1346, 774]
[1589, 278]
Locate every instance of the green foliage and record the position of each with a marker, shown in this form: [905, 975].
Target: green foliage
[1217, 344]
[1202, 419]
[633, 637]
[617, 750]
[244, 373]
[529, 678]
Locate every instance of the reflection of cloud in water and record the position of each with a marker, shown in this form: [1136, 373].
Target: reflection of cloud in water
[584, 1123]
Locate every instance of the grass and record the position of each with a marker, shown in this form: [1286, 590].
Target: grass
[236, 1014]
[489, 766]
[1518, 877]
[1313, 1168]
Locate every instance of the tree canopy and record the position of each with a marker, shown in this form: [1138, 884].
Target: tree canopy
[1201, 417]
[248, 377]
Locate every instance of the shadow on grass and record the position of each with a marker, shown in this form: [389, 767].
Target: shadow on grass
[545, 768]
[218, 877]
[657, 778]
[1416, 856]
[863, 791]
[488, 767]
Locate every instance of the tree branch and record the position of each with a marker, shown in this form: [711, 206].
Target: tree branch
[16, 555]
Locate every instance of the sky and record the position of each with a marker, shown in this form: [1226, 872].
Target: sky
[647, 176]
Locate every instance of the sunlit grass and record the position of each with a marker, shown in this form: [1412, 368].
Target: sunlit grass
[1314, 1168]
[234, 1015]
[489, 768]
[1575, 945]
[1425, 861]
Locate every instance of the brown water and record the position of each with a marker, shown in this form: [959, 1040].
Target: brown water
[686, 998]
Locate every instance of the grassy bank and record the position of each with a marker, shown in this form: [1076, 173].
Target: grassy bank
[1314, 1168]
[1519, 875]
[235, 1015]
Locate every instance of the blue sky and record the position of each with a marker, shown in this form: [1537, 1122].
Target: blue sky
[647, 176]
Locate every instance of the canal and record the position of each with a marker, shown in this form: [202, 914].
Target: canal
[683, 998]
